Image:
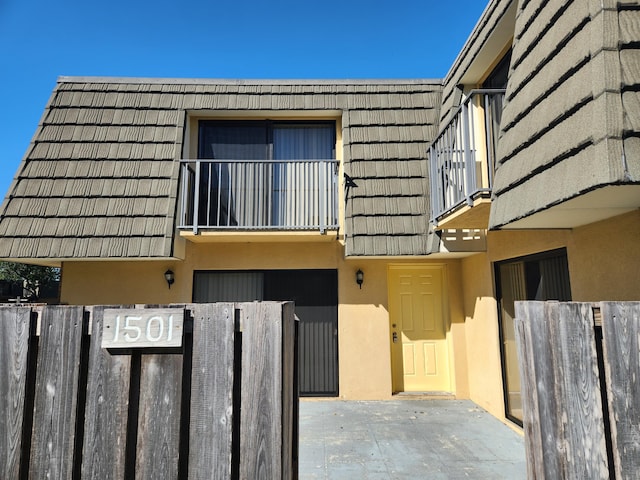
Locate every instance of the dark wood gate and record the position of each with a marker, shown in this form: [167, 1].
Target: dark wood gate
[223, 405]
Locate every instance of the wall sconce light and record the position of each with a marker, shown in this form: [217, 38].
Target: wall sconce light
[359, 278]
[169, 277]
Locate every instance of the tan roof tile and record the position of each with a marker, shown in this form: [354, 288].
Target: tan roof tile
[100, 179]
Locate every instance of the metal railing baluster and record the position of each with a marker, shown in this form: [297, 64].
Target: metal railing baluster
[454, 153]
[259, 195]
[196, 201]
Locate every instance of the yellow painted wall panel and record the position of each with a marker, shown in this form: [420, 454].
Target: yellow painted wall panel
[604, 264]
[604, 260]
[363, 325]
[481, 330]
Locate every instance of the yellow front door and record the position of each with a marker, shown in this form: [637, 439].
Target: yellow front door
[419, 352]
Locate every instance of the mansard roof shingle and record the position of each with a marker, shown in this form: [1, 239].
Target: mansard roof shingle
[100, 178]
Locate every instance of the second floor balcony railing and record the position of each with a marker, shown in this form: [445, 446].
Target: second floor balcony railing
[462, 158]
[245, 195]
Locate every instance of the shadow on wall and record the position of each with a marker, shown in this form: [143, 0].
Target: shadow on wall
[463, 240]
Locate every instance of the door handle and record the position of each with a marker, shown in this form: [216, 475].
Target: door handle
[395, 337]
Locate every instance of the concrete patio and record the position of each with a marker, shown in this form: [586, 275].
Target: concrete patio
[402, 439]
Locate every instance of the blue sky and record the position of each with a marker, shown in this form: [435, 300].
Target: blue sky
[43, 39]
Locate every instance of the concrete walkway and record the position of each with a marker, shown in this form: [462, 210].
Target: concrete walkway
[402, 439]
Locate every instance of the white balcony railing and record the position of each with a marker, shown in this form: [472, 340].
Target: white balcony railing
[462, 158]
[258, 195]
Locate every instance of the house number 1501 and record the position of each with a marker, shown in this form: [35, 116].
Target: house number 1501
[153, 332]
[142, 328]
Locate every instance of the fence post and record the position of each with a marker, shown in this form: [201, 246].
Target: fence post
[562, 402]
[15, 329]
[621, 327]
[211, 424]
[266, 449]
[106, 412]
[53, 444]
[537, 377]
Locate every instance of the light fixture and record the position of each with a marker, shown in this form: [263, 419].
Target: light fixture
[359, 278]
[169, 277]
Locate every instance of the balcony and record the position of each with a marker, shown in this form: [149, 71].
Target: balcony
[258, 196]
[462, 160]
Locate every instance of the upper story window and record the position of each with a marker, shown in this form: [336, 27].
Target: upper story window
[497, 79]
[261, 174]
[500, 74]
[266, 140]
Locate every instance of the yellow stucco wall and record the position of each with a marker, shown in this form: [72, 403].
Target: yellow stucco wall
[363, 319]
[481, 328]
[113, 283]
[604, 260]
[143, 281]
[364, 333]
[364, 358]
[458, 335]
[604, 264]
[481, 309]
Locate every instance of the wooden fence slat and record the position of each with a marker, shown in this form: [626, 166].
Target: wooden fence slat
[211, 391]
[550, 392]
[584, 451]
[56, 391]
[199, 412]
[15, 326]
[289, 460]
[563, 419]
[528, 382]
[261, 391]
[621, 329]
[546, 460]
[159, 416]
[106, 411]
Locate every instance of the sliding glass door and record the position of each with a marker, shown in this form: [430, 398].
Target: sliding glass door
[543, 276]
[295, 196]
[265, 173]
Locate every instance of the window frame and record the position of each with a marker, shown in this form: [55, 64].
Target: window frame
[534, 257]
[269, 125]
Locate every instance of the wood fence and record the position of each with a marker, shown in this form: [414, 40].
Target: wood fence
[223, 405]
[580, 374]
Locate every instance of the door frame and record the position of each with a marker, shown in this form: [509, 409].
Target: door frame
[446, 317]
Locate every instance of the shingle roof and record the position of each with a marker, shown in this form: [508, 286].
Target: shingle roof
[386, 148]
[480, 48]
[99, 179]
[570, 120]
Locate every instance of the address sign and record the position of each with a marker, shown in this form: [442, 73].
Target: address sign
[142, 328]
